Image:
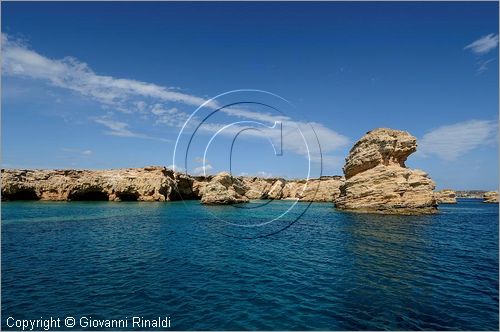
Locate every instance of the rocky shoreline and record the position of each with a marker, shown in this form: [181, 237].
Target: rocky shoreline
[156, 183]
[375, 180]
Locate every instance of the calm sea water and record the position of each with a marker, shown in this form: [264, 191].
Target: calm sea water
[330, 270]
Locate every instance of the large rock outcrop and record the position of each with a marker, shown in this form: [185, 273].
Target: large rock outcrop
[490, 197]
[325, 189]
[377, 180]
[224, 189]
[133, 184]
[157, 183]
[446, 196]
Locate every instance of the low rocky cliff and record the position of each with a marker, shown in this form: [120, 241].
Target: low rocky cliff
[158, 184]
[446, 196]
[490, 197]
[133, 184]
[377, 180]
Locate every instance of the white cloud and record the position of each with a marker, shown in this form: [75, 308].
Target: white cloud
[129, 96]
[202, 169]
[119, 128]
[69, 73]
[483, 65]
[78, 151]
[452, 141]
[200, 160]
[141, 106]
[116, 128]
[264, 174]
[176, 168]
[169, 116]
[484, 44]
[294, 137]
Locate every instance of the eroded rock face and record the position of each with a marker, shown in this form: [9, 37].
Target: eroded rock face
[224, 189]
[446, 196]
[380, 147]
[490, 197]
[258, 188]
[133, 184]
[378, 181]
[158, 184]
[326, 189]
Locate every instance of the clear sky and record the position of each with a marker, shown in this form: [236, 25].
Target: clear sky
[110, 85]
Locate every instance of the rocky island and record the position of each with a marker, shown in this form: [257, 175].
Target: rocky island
[446, 196]
[375, 180]
[490, 197]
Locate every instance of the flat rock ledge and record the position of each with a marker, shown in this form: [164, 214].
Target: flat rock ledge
[377, 180]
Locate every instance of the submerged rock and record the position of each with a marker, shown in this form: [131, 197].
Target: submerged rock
[446, 196]
[378, 181]
[490, 197]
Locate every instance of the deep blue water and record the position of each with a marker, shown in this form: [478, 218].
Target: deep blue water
[329, 270]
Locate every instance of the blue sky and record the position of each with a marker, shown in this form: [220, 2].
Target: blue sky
[109, 85]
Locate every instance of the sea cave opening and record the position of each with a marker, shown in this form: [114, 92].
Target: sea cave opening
[21, 195]
[88, 195]
[128, 197]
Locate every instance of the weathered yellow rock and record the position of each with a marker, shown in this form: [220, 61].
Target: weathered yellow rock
[224, 189]
[446, 196]
[141, 184]
[381, 146]
[378, 181]
[326, 189]
[258, 188]
[490, 197]
[157, 184]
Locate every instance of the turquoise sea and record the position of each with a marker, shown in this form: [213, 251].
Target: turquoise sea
[329, 270]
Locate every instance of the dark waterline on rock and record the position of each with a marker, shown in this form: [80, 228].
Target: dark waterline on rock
[330, 270]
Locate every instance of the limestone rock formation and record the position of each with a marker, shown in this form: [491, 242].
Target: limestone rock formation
[446, 196]
[378, 181]
[325, 189]
[379, 147]
[158, 184]
[133, 184]
[490, 197]
[224, 189]
[259, 188]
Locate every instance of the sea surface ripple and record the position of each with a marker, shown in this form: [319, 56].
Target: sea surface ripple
[328, 271]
